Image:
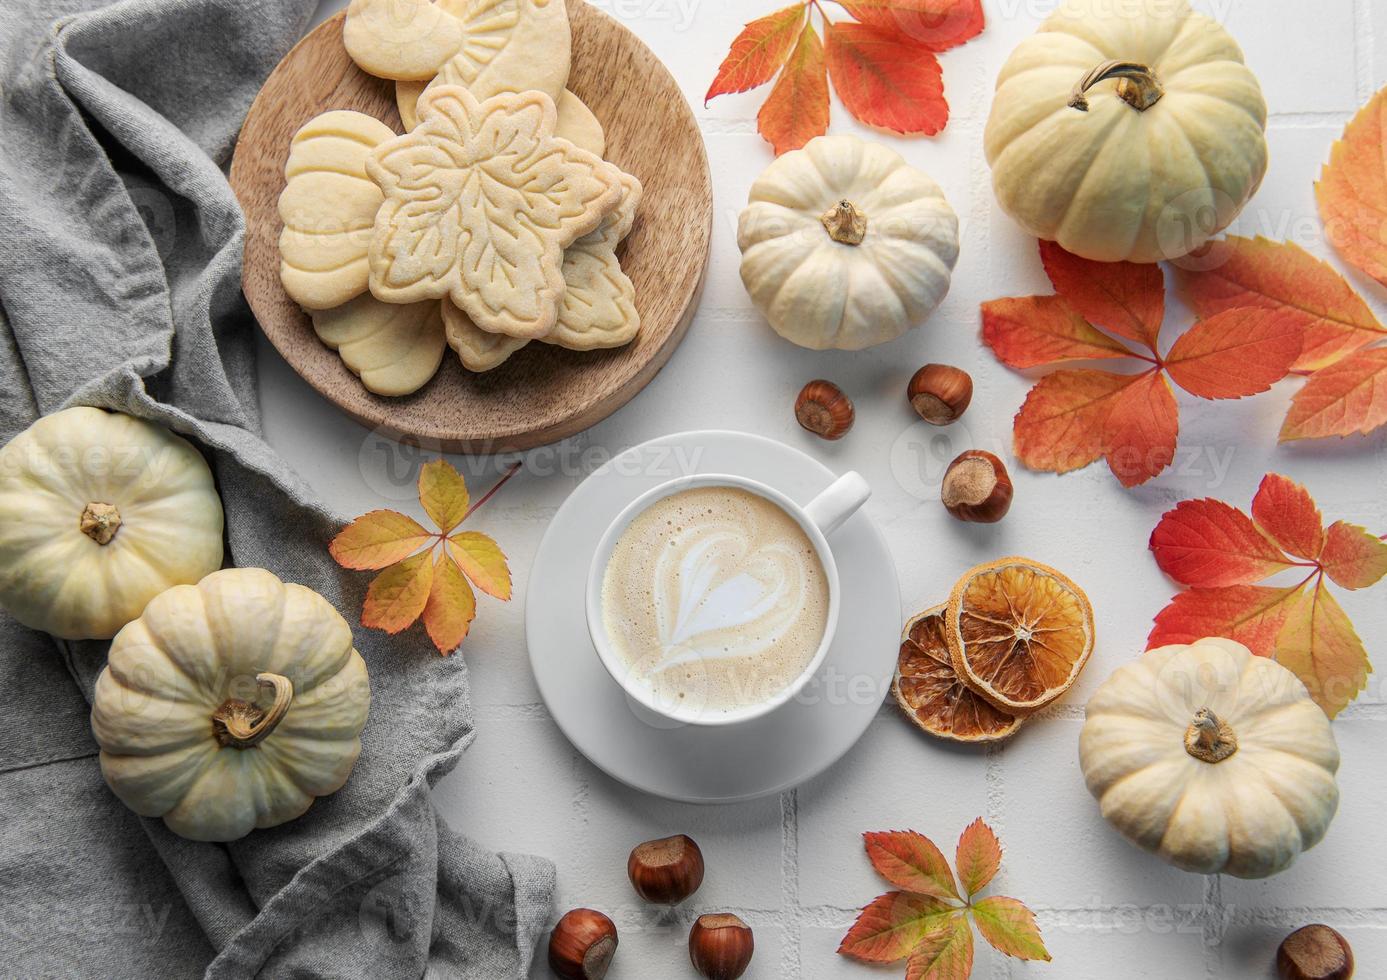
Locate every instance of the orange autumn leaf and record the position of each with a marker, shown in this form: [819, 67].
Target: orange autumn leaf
[946, 953]
[927, 924]
[481, 558]
[1352, 190]
[1221, 552]
[451, 606]
[1352, 556]
[978, 856]
[1235, 353]
[1062, 423]
[1030, 331]
[431, 584]
[758, 52]
[932, 24]
[910, 861]
[1124, 297]
[1072, 417]
[1282, 276]
[1287, 513]
[443, 494]
[1141, 431]
[397, 596]
[378, 539]
[885, 80]
[797, 109]
[1348, 396]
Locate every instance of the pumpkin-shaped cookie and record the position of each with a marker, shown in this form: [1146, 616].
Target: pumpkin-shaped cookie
[99, 513]
[1214, 759]
[230, 705]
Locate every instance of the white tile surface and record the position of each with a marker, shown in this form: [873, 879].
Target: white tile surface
[794, 866]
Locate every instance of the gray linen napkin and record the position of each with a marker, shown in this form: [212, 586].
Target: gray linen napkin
[120, 252]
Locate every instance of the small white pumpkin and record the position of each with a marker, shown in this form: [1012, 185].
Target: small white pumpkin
[99, 513]
[230, 705]
[1213, 758]
[844, 245]
[1126, 131]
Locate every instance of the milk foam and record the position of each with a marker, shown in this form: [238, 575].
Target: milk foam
[715, 599]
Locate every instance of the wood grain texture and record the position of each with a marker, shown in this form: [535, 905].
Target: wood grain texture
[542, 393]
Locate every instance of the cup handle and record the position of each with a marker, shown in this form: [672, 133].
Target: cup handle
[840, 501]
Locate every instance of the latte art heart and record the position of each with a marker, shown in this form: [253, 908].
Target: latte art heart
[715, 599]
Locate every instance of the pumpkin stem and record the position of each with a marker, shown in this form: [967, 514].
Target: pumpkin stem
[244, 725]
[100, 522]
[1136, 85]
[1209, 738]
[845, 223]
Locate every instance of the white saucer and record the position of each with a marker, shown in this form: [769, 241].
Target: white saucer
[709, 765]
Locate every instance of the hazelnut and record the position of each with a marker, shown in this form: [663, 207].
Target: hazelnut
[720, 946]
[977, 488]
[666, 871]
[824, 410]
[940, 393]
[1314, 952]
[582, 945]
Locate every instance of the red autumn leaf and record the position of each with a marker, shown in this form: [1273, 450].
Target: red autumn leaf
[397, 596]
[1251, 614]
[758, 52]
[1352, 190]
[1062, 423]
[1124, 297]
[946, 953]
[978, 856]
[1207, 543]
[1353, 557]
[886, 80]
[1031, 331]
[1282, 276]
[1287, 513]
[1141, 430]
[911, 861]
[1235, 353]
[797, 109]
[892, 925]
[933, 24]
[451, 607]
[1319, 645]
[377, 539]
[1010, 928]
[1348, 396]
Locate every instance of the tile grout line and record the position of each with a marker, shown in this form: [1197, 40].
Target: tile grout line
[791, 959]
[992, 809]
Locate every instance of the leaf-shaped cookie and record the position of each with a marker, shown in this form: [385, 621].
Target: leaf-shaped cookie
[329, 208]
[577, 124]
[598, 307]
[395, 349]
[481, 199]
[489, 46]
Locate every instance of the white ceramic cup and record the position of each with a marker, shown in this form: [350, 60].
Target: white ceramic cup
[819, 518]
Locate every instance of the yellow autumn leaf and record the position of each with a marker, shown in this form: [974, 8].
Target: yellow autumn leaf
[377, 539]
[483, 562]
[397, 595]
[443, 494]
[451, 607]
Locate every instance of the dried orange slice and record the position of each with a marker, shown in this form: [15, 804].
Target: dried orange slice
[1019, 633]
[932, 695]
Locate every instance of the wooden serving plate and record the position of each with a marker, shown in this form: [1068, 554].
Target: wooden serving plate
[542, 393]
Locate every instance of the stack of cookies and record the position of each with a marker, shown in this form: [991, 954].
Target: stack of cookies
[491, 222]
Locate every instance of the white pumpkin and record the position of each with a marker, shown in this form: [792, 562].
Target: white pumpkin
[1126, 131]
[1213, 758]
[230, 705]
[844, 245]
[99, 513]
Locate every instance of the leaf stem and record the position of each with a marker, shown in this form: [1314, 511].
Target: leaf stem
[514, 468]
